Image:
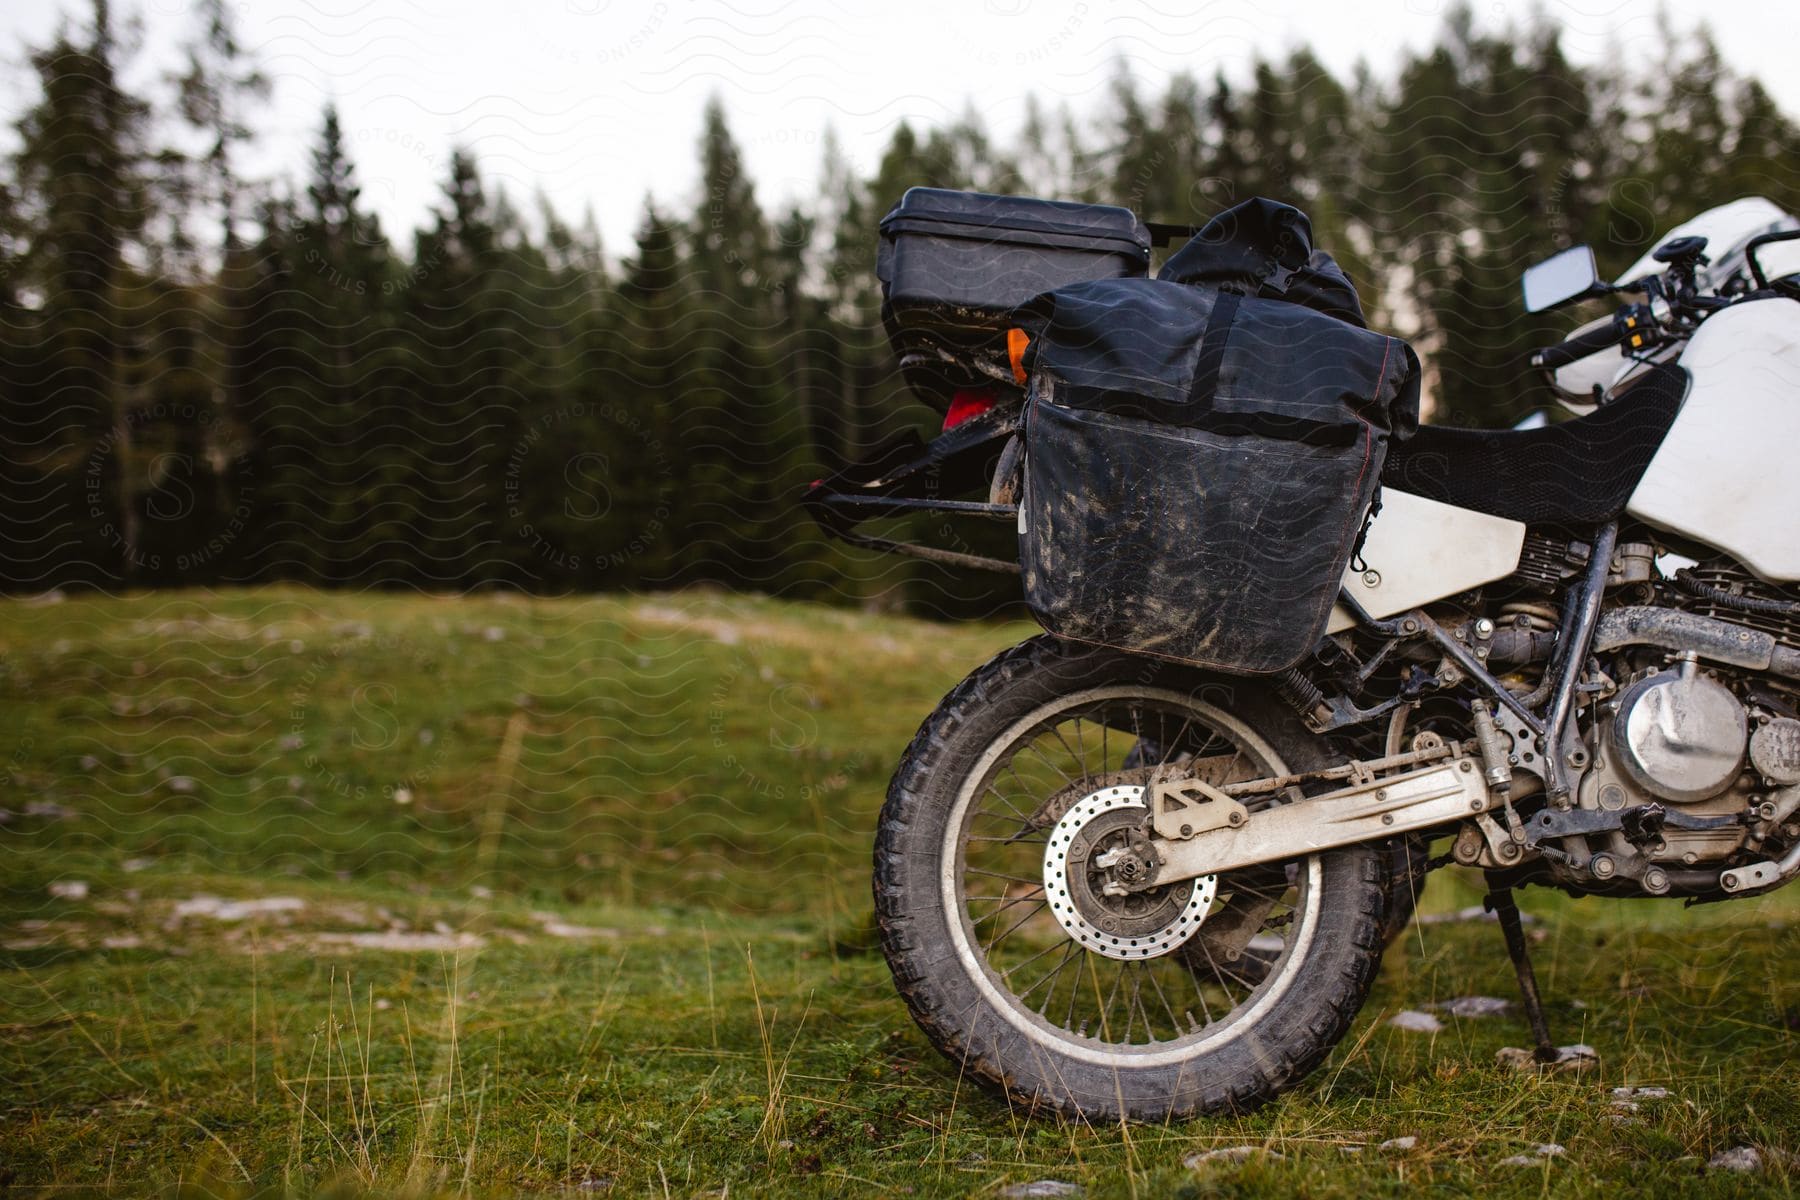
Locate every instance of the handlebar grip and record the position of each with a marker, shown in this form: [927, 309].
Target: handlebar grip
[1580, 346]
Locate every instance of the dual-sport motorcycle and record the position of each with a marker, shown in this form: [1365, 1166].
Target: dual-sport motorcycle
[1115, 884]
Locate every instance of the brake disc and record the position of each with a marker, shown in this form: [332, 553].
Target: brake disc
[1087, 848]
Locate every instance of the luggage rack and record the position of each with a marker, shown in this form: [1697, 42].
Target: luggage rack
[907, 475]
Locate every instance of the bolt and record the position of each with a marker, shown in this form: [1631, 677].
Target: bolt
[1371, 578]
[1236, 818]
[1477, 804]
[1187, 831]
[1484, 628]
[1381, 794]
[1728, 881]
[1602, 866]
[1508, 850]
[1465, 766]
[1387, 818]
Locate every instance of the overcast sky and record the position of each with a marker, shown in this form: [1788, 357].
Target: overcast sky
[597, 101]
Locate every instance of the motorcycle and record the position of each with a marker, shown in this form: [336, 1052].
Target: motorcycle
[1119, 887]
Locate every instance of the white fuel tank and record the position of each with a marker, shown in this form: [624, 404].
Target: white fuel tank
[1725, 473]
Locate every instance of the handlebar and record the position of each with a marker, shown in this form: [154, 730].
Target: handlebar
[1757, 243]
[1580, 346]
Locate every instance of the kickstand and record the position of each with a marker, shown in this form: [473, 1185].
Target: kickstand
[1499, 901]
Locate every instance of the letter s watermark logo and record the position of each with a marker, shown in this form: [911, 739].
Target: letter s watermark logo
[792, 726]
[587, 498]
[171, 488]
[375, 727]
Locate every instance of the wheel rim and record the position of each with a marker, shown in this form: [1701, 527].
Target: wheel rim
[1159, 1006]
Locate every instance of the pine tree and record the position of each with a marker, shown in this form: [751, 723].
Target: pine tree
[82, 198]
[333, 267]
[217, 86]
[730, 245]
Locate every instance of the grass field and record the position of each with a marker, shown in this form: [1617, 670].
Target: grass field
[335, 893]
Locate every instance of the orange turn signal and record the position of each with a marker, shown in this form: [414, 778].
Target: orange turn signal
[1016, 342]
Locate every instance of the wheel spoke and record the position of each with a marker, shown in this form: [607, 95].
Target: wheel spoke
[1112, 994]
[1169, 748]
[1014, 902]
[1003, 875]
[1199, 990]
[1174, 1022]
[1071, 953]
[1066, 947]
[1001, 796]
[1049, 762]
[1002, 936]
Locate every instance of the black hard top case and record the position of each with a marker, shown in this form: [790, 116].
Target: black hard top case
[954, 265]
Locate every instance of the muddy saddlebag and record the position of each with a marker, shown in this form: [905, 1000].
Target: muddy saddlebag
[1200, 461]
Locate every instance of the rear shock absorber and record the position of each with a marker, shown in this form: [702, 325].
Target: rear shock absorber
[1300, 692]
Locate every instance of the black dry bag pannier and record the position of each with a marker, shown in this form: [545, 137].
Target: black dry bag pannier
[1200, 459]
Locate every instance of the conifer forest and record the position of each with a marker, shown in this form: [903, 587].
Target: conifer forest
[210, 378]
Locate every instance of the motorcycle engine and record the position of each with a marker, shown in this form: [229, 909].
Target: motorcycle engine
[1679, 735]
[1682, 736]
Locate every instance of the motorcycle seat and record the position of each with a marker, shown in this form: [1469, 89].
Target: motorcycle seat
[1579, 472]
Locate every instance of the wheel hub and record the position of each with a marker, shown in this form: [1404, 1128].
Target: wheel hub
[1095, 851]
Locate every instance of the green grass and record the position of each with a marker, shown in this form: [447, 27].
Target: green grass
[621, 846]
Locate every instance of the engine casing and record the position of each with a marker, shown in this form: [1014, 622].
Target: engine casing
[1680, 735]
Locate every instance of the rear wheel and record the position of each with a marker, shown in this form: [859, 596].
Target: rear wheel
[1013, 816]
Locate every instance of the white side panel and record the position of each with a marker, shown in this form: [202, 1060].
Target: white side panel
[1419, 550]
[1725, 474]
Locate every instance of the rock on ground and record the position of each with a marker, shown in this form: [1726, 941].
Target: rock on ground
[1578, 1057]
[1473, 912]
[237, 910]
[402, 940]
[1739, 1158]
[1228, 1154]
[1475, 1006]
[1414, 1021]
[1399, 1143]
[1041, 1187]
[1538, 1154]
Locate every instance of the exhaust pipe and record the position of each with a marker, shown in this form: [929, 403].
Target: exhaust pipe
[1710, 638]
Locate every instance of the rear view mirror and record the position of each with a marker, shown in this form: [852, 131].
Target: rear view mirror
[1570, 275]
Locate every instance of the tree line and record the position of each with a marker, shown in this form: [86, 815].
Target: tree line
[213, 379]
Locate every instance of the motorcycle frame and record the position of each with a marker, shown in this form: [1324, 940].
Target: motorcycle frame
[907, 475]
[1581, 612]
